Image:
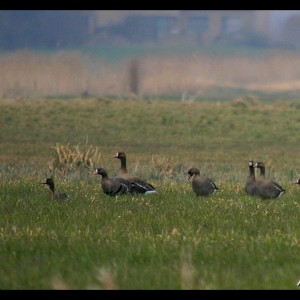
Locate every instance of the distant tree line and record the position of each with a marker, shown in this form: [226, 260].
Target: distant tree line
[59, 29]
[42, 29]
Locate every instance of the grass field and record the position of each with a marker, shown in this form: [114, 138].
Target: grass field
[172, 240]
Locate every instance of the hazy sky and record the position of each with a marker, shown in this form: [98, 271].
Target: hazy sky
[280, 16]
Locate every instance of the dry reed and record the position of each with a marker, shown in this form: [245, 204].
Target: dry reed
[29, 74]
[70, 159]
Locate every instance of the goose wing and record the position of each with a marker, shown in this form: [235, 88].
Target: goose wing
[116, 186]
[141, 186]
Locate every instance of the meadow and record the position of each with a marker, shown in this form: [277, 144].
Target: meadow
[171, 240]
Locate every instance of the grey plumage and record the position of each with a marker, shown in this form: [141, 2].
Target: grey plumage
[201, 185]
[268, 189]
[262, 176]
[54, 195]
[145, 187]
[116, 185]
[251, 187]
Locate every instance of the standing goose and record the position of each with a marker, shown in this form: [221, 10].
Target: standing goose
[54, 195]
[116, 185]
[202, 186]
[251, 184]
[267, 189]
[146, 188]
[262, 176]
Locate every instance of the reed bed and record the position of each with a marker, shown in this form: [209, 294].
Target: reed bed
[74, 73]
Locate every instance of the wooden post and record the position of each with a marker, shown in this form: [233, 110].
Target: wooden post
[134, 70]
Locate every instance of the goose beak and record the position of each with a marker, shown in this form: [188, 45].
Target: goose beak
[189, 177]
[43, 182]
[116, 155]
[96, 172]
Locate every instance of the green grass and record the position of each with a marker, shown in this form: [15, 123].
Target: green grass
[167, 241]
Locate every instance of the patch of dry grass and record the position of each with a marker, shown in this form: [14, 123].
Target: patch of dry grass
[74, 158]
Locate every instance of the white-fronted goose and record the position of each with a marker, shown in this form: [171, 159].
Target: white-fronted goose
[116, 185]
[262, 176]
[54, 195]
[251, 184]
[297, 181]
[201, 185]
[268, 189]
[146, 187]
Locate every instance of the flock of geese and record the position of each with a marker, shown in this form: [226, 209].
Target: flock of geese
[201, 185]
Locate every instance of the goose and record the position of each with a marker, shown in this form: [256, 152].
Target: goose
[146, 187]
[54, 195]
[268, 189]
[262, 176]
[116, 185]
[297, 181]
[201, 185]
[251, 184]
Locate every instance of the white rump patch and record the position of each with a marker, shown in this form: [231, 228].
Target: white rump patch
[151, 192]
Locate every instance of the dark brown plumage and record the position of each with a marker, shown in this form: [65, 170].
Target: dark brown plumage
[201, 185]
[54, 195]
[268, 189]
[116, 185]
[262, 176]
[146, 188]
[251, 184]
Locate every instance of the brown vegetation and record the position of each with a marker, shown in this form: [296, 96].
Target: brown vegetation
[29, 74]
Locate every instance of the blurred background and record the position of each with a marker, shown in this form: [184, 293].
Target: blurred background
[179, 54]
